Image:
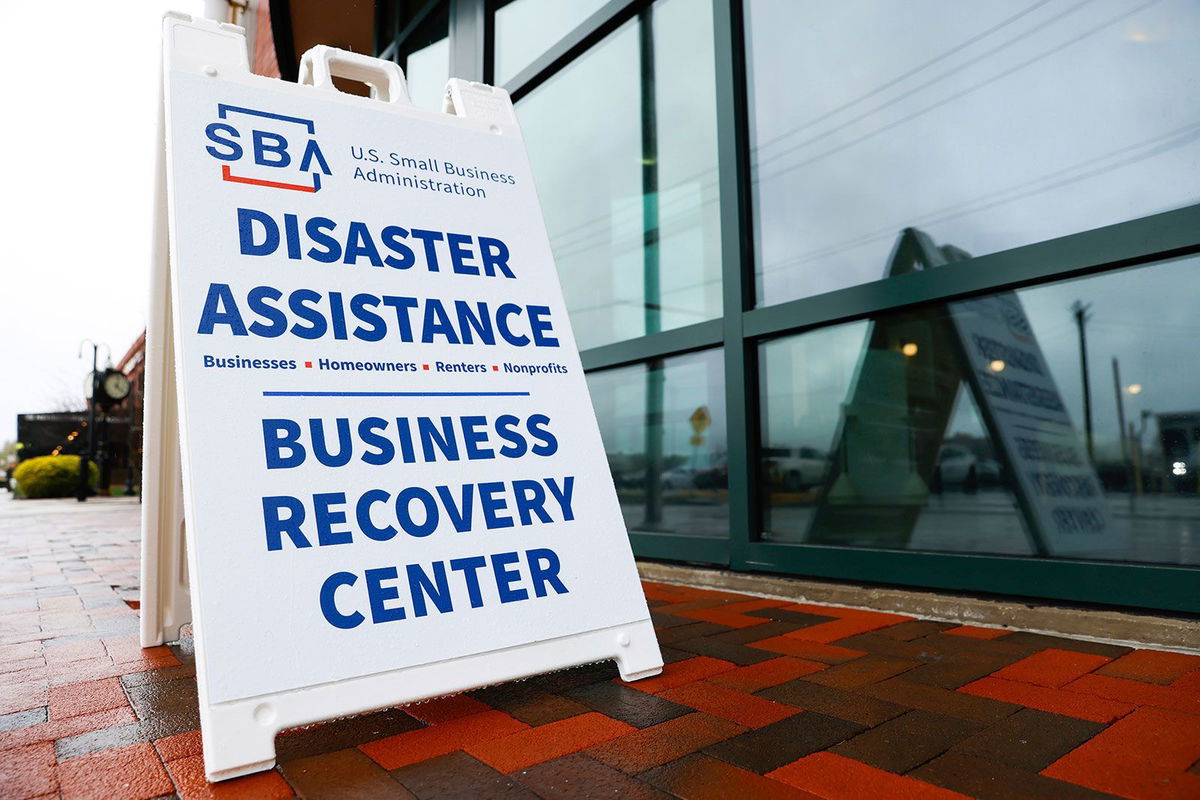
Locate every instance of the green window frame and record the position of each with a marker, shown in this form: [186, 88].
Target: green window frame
[738, 332]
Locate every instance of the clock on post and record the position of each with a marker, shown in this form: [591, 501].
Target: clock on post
[113, 387]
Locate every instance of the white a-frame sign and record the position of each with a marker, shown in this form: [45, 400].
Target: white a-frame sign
[393, 482]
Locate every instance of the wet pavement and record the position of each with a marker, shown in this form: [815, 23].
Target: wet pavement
[759, 698]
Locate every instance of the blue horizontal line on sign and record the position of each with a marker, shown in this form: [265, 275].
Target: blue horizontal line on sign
[395, 394]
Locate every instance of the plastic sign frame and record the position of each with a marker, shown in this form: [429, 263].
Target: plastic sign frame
[259, 671]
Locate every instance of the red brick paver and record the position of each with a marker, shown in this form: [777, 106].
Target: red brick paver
[86, 698]
[29, 770]
[976, 632]
[547, 742]
[1056, 701]
[1152, 666]
[758, 699]
[1052, 668]
[767, 673]
[127, 773]
[834, 777]
[1147, 754]
[683, 672]
[721, 701]
[663, 743]
[437, 740]
[190, 783]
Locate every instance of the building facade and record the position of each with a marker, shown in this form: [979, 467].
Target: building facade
[885, 292]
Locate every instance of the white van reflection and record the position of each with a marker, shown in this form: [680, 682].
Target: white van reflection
[958, 467]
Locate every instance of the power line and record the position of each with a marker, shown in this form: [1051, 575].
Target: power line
[921, 87]
[906, 75]
[758, 165]
[1163, 142]
[588, 236]
[888, 84]
[955, 96]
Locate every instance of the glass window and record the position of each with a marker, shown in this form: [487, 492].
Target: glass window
[527, 28]
[990, 125]
[965, 427]
[427, 71]
[623, 146]
[663, 425]
[424, 56]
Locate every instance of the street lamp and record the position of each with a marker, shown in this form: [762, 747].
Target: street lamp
[83, 490]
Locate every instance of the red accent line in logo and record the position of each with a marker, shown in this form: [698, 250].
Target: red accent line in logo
[273, 184]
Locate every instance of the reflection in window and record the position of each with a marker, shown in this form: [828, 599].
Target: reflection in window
[963, 427]
[424, 52]
[623, 145]
[990, 125]
[527, 28]
[427, 71]
[663, 425]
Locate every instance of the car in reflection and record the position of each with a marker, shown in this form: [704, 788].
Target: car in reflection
[958, 466]
[795, 469]
[1182, 472]
[674, 479]
[715, 477]
[679, 478]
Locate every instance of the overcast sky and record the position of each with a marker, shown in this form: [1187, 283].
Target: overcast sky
[80, 98]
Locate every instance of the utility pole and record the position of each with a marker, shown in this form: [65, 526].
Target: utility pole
[1080, 310]
[1116, 368]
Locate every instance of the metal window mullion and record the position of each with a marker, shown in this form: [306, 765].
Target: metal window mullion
[402, 34]
[656, 378]
[581, 38]
[1157, 237]
[741, 373]
[672, 342]
[385, 30]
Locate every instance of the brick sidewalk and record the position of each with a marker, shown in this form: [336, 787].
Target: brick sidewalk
[760, 698]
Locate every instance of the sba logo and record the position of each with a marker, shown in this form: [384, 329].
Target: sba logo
[267, 150]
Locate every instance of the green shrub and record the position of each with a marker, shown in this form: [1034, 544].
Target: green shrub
[52, 476]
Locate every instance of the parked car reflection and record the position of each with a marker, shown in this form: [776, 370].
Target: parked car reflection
[960, 468]
[795, 469]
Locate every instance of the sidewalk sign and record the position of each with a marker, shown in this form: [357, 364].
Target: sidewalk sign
[900, 406]
[393, 482]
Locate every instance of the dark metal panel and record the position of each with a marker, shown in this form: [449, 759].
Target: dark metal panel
[672, 342]
[281, 34]
[410, 27]
[1171, 233]
[672, 547]
[1120, 584]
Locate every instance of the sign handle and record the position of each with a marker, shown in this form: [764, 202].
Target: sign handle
[321, 64]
